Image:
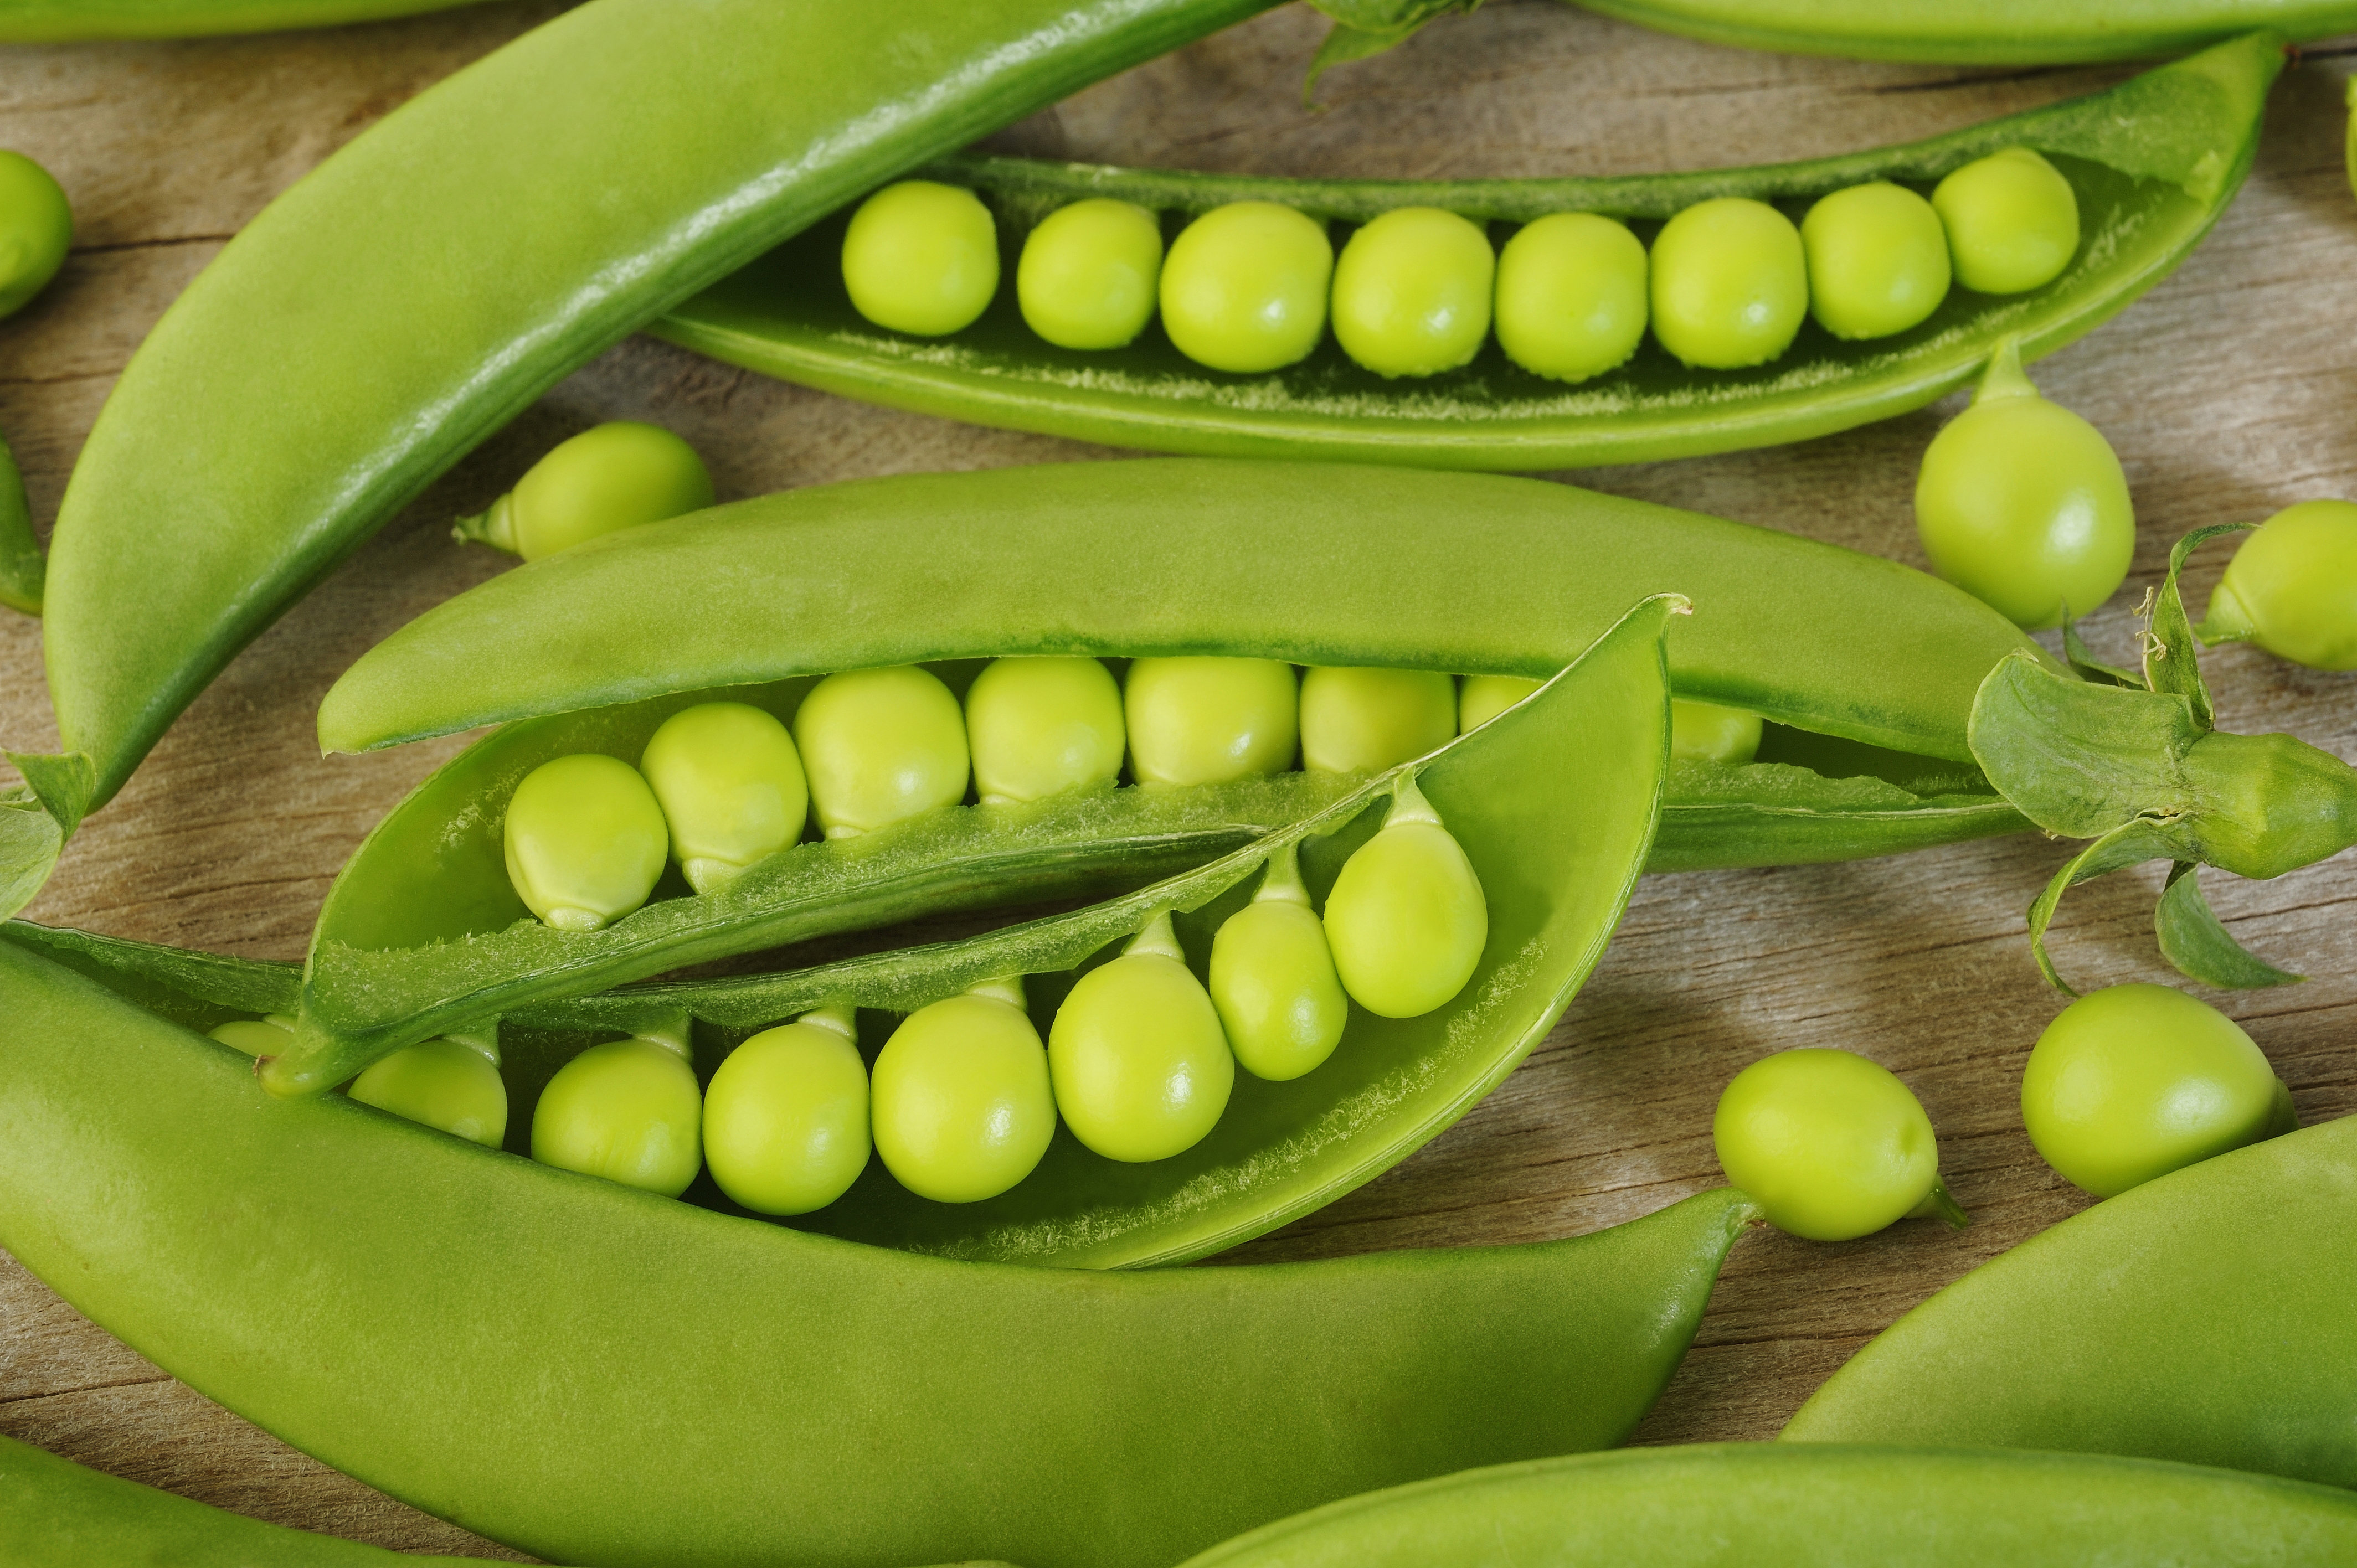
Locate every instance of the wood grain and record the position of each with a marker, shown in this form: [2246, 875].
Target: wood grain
[2228, 393]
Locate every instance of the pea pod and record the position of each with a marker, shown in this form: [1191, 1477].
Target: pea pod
[1988, 32]
[21, 562]
[2153, 163]
[496, 1341]
[62, 21]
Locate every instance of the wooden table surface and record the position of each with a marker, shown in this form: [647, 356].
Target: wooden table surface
[2229, 392]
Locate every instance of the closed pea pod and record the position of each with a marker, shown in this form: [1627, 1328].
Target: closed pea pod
[1571, 296]
[586, 841]
[964, 1106]
[1272, 980]
[1730, 283]
[1877, 260]
[786, 1115]
[1204, 720]
[1839, 1147]
[613, 476]
[1141, 1065]
[2012, 221]
[1406, 919]
[1244, 288]
[920, 258]
[1090, 273]
[1041, 726]
[628, 1111]
[2011, 33]
[2291, 588]
[1361, 721]
[880, 746]
[731, 787]
[1412, 292]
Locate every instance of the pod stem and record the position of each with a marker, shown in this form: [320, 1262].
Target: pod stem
[836, 1018]
[494, 526]
[2005, 377]
[1281, 882]
[1941, 1203]
[673, 1033]
[1007, 988]
[1408, 805]
[1159, 940]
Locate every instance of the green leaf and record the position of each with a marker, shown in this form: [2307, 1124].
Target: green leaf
[2132, 843]
[29, 844]
[2171, 660]
[1363, 29]
[2080, 760]
[2193, 940]
[64, 784]
[2087, 667]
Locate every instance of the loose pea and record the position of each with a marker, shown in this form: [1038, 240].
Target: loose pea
[1412, 292]
[1089, 274]
[785, 1117]
[1272, 980]
[586, 841]
[1484, 697]
[1730, 283]
[2292, 587]
[627, 1111]
[1361, 721]
[1705, 732]
[1407, 919]
[921, 258]
[1830, 1144]
[2012, 221]
[731, 787]
[1571, 296]
[2133, 1082]
[1244, 287]
[610, 476]
[1141, 1065]
[1207, 721]
[880, 746]
[962, 1105]
[263, 1036]
[36, 230]
[446, 1084]
[1042, 725]
[1877, 260]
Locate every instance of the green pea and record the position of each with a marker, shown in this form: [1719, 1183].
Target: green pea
[1412, 292]
[2133, 1082]
[1407, 919]
[446, 1084]
[1207, 721]
[1141, 1065]
[962, 1105]
[2012, 221]
[2292, 587]
[1244, 287]
[921, 258]
[1272, 980]
[2023, 504]
[731, 787]
[1730, 283]
[1830, 1144]
[627, 1111]
[785, 1117]
[1042, 725]
[1089, 274]
[880, 746]
[36, 230]
[585, 841]
[263, 1036]
[1705, 732]
[1483, 697]
[1362, 720]
[1571, 296]
[614, 476]
[1877, 260]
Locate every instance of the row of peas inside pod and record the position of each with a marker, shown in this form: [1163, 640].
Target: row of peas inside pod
[1250, 287]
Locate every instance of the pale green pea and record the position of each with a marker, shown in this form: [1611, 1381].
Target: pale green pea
[628, 1111]
[2012, 221]
[1877, 260]
[1730, 283]
[1705, 732]
[785, 1117]
[731, 787]
[1571, 296]
[263, 1036]
[1039, 726]
[1208, 721]
[1244, 287]
[963, 1104]
[446, 1084]
[1272, 980]
[2292, 587]
[1406, 921]
[1412, 292]
[1483, 697]
[880, 746]
[585, 841]
[1090, 273]
[614, 476]
[1141, 1065]
[921, 258]
[36, 230]
[1362, 720]
[1832, 1145]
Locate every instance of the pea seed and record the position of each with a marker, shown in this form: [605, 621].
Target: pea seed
[1141, 1065]
[1407, 919]
[962, 1105]
[610, 476]
[1830, 1144]
[1571, 296]
[1207, 721]
[1730, 283]
[1272, 980]
[921, 258]
[880, 746]
[1244, 287]
[628, 1111]
[1362, 720]
[1705, 732]
[263, 1036]
[786, 1116]
[585, 840]
[1483, 697]
[2292, 587]
[446, 1084]
[731, 787]
[1412, 292]
[36, 230]
[2012, 221]
[1877, 260]
[1090, 273]
[1040, 727]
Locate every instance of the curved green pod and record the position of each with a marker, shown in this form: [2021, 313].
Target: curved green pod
[21, 562]
[63, 21]
[496, 1341]
[1982, 32]
[2153, 163]
[2204, 1317]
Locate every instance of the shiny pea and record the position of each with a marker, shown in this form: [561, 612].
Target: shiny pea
[1832, 1145]
[731, 787]
[786, 1116]
[1089, 274]
[1362, 720]
[36, 230]
[1730, 283]
[2292, 587]
[961, 1102]
[628, 1111]
[1141, 1067]
[1244, 287]
[614, 476]
[921, 258]
[1407, 919]
[585, 841]
[1039, 726]
[1877, 260]
[446, 1084]
[2012, 221]
[1483, 697]
[1571, 296]
[1412, 292]
[263, 1036]
[1705, 732]
[880, 746]
[1207, 721]
[1272, 980]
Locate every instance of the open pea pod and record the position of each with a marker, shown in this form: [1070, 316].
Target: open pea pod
[1980, 32]
[2153, 163]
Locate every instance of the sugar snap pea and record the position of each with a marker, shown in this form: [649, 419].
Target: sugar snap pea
[62, 21]
[2152, 162]
[1983, 32]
